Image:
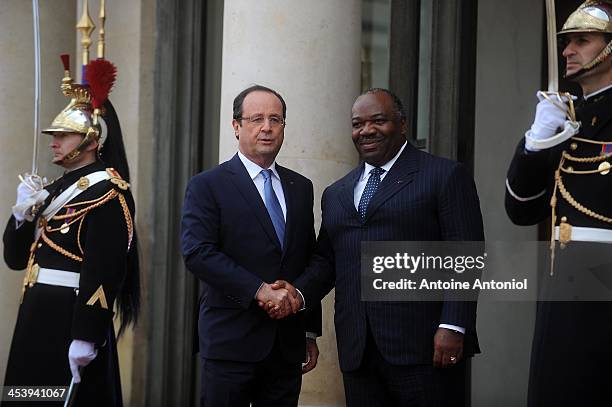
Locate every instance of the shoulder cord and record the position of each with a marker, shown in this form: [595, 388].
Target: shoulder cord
[80, 216]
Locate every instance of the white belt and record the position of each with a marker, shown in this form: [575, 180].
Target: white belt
[58, 277]
[582, 234]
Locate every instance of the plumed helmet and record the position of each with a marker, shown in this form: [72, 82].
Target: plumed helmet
[590, 16]
[84, 114]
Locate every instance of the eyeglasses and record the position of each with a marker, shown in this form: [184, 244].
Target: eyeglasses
[259, 120]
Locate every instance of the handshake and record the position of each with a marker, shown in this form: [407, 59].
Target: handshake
[279, 299]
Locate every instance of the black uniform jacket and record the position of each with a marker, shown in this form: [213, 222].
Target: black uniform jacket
[95, 245]
[531, 175]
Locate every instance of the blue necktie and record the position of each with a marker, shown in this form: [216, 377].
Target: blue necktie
[273, 206]
[369, 190]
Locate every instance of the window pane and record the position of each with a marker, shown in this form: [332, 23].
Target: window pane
[375, 44]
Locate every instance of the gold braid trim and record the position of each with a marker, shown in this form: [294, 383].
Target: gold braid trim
[92, 201]
[128, 219]
[570, 170]
[79, 234]
[586, 140]
[553, 205]
[50, 229]
[595, 159]
[78, 215]
[96, 202]
[59, 248]
[570, 199]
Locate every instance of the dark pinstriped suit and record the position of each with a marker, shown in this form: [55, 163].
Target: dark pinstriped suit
[422, 198]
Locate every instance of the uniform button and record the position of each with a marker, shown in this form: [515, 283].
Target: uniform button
[39, 245]
[594, 121]
[574, 146]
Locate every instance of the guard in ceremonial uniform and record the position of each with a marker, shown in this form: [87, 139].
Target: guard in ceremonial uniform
[76, 239]
[561, 169]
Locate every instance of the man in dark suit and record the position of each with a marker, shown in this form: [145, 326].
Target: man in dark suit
[247, 223]
[394, 353]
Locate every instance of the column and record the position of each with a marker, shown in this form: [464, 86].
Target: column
[310, 53]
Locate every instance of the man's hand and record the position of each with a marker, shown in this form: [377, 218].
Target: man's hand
[550, 115]
[80, 354]
[448, 347]
[550, 118]
[312, 355]
[294, 297]
[277, 310]
[275, 301]
[29, 194]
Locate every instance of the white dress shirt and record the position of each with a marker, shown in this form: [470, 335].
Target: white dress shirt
[363, 179]
[255, 170]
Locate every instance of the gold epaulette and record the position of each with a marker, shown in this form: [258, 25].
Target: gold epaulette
[116, 179]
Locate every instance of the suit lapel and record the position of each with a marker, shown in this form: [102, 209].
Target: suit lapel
[248, 190]
[347, 191]
[401, 174]
[291, 202]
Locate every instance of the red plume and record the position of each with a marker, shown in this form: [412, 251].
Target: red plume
[101, 75]
[66, 61]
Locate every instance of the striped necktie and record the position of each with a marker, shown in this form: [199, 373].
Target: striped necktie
[273, 206]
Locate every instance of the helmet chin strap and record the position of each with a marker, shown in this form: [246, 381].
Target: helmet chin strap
[91, 135]
[605, 53]
[98, 131]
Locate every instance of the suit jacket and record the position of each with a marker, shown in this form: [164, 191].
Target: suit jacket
[422, 198]
[230, 245]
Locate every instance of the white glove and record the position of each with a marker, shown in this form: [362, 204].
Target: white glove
[549, 119]
[81, 353]
[30, 193]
